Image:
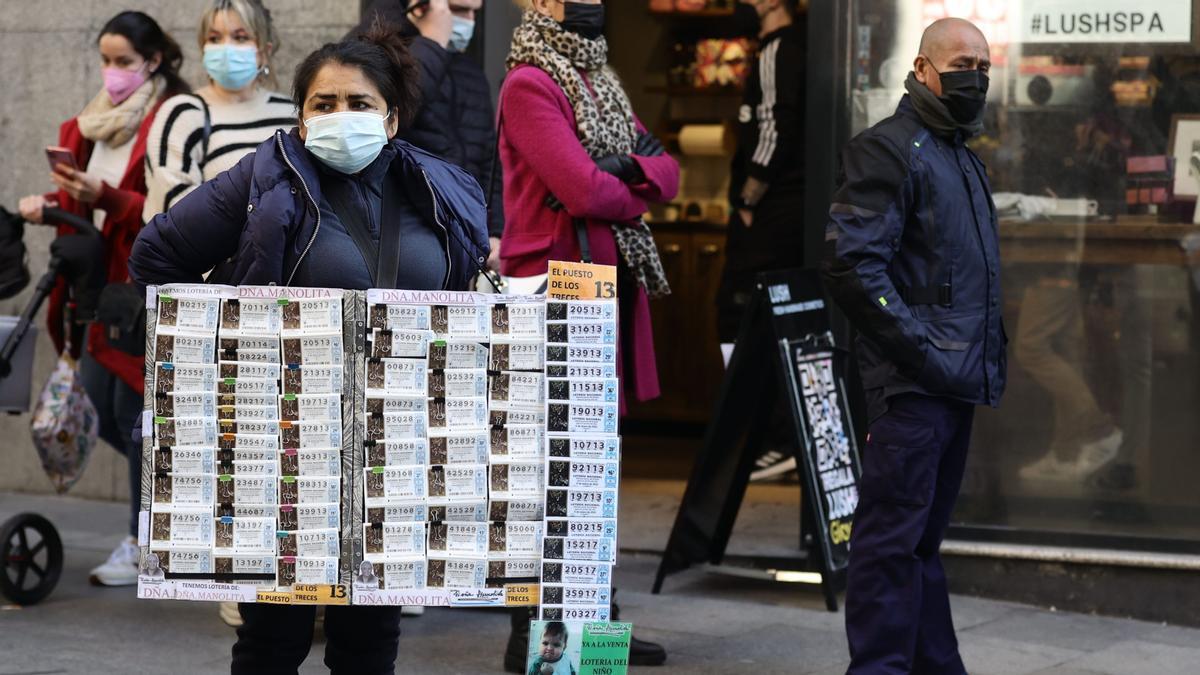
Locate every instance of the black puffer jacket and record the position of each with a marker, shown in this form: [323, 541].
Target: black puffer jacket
[456, 121]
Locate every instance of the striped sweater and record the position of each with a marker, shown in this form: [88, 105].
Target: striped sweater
[176, 161]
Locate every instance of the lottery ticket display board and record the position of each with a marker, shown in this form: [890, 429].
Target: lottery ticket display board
[386, 447]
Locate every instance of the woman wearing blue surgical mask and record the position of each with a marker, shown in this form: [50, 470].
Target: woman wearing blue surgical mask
[336, 202]
[198, 136]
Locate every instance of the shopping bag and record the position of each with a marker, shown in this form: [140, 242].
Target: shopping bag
[64, 425]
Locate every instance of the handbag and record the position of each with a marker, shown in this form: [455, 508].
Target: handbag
[122, 312]
[64, 425]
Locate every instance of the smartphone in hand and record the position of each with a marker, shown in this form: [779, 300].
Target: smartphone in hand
[57, 155]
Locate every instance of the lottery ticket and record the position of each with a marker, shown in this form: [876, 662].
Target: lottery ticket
[579, 548]
[599, 448]
[594, 528]
[185, 489]
[185, 460]
[184, 560]
[309, 516]
[474, 511]
[389, 343]
[585, 418]
[461, 321]
[412, 452]
[311, 434]
[581, 310]
[250, 467]
[314, 350]
[379, 404]
[456, 354]
[247, 511]
[499, 418]
[248, 442]
[185, 431]
[181, 528]
[582, 474]
[252, 535]
[519, 539]
[458, 413]
[312, 380]
[243, 370]
[458, 539]
[517, 355]
[517, 479]
[232, 346]
[320, 571]
[400, 317]
[562, 503]
[397, 376]
[503, 571]
[188, 315]
[309, 489]
[244, 563]
[185, 348]
[310, 407]
[593, 333]
[577, 573]
[517, 509]
[576, 614]
[395, 483]
[400, 575]
[248, 413]
[459, 448]
[582, 391]
[247, 489]
[230, 455]
[582, 371]
[519, 320]
[456, 573]
[518, 441]
[185, 378]
[404, 539]
[575, 596]
[245, 400]
[311, 462]
[400, 426]
[458, 482]
[575, 353]
[309, 543]
[252, 356]
[517, 389]
[260, 387]
[250, 427]
[201, 404]
[411, 512]
[468, 383]
[312, 316]
[260, 316]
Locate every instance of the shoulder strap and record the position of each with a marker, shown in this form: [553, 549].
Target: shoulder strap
[389, 232]
[207, 125]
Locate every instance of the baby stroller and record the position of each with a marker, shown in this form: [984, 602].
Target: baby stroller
[31, 552]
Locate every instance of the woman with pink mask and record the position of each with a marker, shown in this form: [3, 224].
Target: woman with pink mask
[105, 183]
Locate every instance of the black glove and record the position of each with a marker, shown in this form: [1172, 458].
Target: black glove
[551, 202]
[623, 167]
[648, 146]
[81, 259]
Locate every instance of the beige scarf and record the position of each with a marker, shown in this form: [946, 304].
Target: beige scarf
[115, 125]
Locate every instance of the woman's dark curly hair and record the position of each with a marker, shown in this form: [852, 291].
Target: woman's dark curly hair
[382, 56]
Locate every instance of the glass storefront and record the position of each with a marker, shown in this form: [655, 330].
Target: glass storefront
[1093, 145]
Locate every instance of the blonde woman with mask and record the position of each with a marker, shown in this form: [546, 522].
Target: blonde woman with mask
[195, 137]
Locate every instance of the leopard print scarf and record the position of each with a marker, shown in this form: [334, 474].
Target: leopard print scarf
[603, 118]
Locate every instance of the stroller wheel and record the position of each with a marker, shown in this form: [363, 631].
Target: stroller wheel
[31, 556]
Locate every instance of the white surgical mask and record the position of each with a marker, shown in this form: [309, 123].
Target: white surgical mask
[346, 141]
[461, 31]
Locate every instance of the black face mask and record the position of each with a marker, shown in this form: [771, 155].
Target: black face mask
[586, 21]
[745, 20]
[965, 93]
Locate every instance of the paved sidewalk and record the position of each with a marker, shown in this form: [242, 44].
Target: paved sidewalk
[710, 623]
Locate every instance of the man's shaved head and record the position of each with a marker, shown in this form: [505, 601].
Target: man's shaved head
[948, 45]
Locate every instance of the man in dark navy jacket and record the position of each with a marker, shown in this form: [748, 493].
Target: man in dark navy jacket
[913, 259]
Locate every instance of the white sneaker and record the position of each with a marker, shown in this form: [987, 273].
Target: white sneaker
[1096, 454]
[1049, 468]
[121, 568]
[772, 463]
[412, 610]
[230, 614]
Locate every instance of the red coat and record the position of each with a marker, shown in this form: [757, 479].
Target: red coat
[123, 220]
[542, 155]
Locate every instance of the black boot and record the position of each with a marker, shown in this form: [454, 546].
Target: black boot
[518, 640]
[641, 652]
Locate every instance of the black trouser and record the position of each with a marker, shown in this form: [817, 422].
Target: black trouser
[275, 639]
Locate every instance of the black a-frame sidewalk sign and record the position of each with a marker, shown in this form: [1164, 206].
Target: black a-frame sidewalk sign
[784, 348]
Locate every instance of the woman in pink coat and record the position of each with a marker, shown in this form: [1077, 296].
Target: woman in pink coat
[578, 162]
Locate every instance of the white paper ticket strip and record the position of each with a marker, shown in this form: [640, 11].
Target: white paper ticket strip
[581, 465]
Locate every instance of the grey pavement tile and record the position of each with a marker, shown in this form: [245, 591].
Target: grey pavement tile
[1079, 632]
[1138, 657]
[986, 655]
[1172, 635]
[969, 611]
[1066, 670]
